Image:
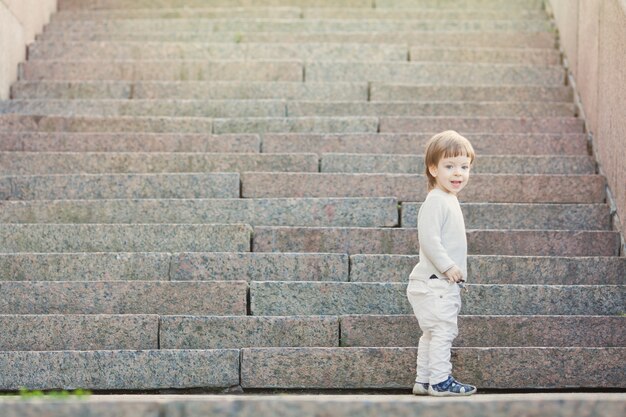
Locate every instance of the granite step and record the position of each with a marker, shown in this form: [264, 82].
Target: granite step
[128, 142]
[337, 212]
[538, 125]
[185, 266]
[404, 241]
[119, 369]
[380, 91]
[79, 332]
[280, 108]
[498, 269]
[37, 123]
[516, 144]
[139, 51]
[124, 238]
[119, 186]
[436, 73]
[137, 297]
[358, 4]
[43, 163]
[277, 12]
[488, 164]
[261, 125]
[493, 188]
[207, 90]
[339, 298]
[197, 70]
[288, 26]
[444, 108]
[286, 12]
[422, 38]
[215, 332]
[258, 266]
[524, 216]
[163, 108]
[504, 331]
[94, 124]
[339, 404]
[517, 56]
[345, 368]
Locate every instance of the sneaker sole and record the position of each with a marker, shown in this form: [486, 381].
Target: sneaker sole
[450, 394]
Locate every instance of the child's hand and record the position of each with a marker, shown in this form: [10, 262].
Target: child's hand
[454, 274]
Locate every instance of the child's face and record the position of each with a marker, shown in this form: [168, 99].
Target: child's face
[451, 174]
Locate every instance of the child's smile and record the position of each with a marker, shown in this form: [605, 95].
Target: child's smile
[452, 174]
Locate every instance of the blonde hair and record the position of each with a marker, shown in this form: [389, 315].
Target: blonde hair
[447, 144]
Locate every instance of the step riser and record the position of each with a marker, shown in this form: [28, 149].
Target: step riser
[405, 164]
[405, 241]
[275, 109]
[83, 51]
[129, 142]
[300, 267]
[189, 90]
[141, 163]
[508, 216]
[406, 187]
[165, 70]
[215, 298]
[481, 125]
[314, 298]
[395, 367]
[496, 56]
[441, 39]
[63, 187]
[124, 238]
[93, 332]
[114, 370]
[19, 123]
[290, 212]
[174, 267]
[499, 269]
[13, 163]
[486, 144]
[508, 331]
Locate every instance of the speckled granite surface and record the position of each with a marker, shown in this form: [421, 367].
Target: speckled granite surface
[410, 164]
[119, 369]
[414, 143]
[497, 269]
[334, 298]
[499, 188]
[375, 212]
[26, 123]
[198, 332]
[259, 266]
[79, 332]
[296, 124]
[395, 367]
[481, 124]
[85, 186]
[33, 163]
[198, 90]
[124, 238]
[137, 297]
[166, 70]
[404, 241]
[490, 331]
[525, 216]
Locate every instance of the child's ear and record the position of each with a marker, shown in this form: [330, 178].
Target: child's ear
[433, 170]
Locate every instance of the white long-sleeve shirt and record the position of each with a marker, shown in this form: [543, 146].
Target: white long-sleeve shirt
[441, 233]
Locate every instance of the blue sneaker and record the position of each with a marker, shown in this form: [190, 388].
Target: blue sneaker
[420, 388]
[451, 387]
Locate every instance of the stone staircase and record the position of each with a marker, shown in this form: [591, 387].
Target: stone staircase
[214, 194]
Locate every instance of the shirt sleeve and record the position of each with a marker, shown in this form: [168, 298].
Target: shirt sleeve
[429, 229]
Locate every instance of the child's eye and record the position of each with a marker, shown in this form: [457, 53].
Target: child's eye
[449, 166]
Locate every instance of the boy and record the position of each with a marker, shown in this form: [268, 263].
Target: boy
[435, 282]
